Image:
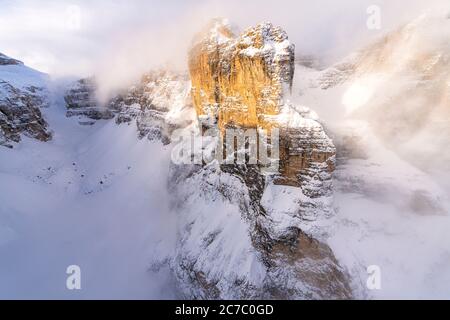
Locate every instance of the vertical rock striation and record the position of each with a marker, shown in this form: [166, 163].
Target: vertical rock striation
[245, 81]
[240, 80]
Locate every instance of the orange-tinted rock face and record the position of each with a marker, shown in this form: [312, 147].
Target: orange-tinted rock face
[238, 80]
[243, 81]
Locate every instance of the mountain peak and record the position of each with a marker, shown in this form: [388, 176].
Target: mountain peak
[245, 82]
[5, 60]
[216, 31]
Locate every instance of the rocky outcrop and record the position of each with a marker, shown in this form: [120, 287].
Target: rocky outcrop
[20, 104]
[241, 237]
[7, 61]
[244, 82]
[81, 101]
[241, 80]
[242, 232]
[158, 103]
[336, 75]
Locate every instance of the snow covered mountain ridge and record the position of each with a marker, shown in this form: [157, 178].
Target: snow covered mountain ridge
[210, 230]
[270, 234]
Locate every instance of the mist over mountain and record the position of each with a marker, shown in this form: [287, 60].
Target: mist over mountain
[124, 168]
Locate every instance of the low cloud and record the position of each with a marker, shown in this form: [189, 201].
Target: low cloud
[119, 40]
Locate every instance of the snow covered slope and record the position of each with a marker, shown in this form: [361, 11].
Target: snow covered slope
[387, 110]
[93, 196]
[139, 226]
[400, 85]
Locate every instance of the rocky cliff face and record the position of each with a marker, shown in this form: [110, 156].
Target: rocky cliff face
[8, 61]
[22, 95]
[241, 237]
[81, 101]
[158, 103]
[245, 81]
[241, 80]
[242, 233]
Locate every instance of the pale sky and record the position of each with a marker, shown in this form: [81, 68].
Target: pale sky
[81, 37]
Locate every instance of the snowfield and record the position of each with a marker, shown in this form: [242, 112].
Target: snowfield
[94, 197]
[391, 192]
